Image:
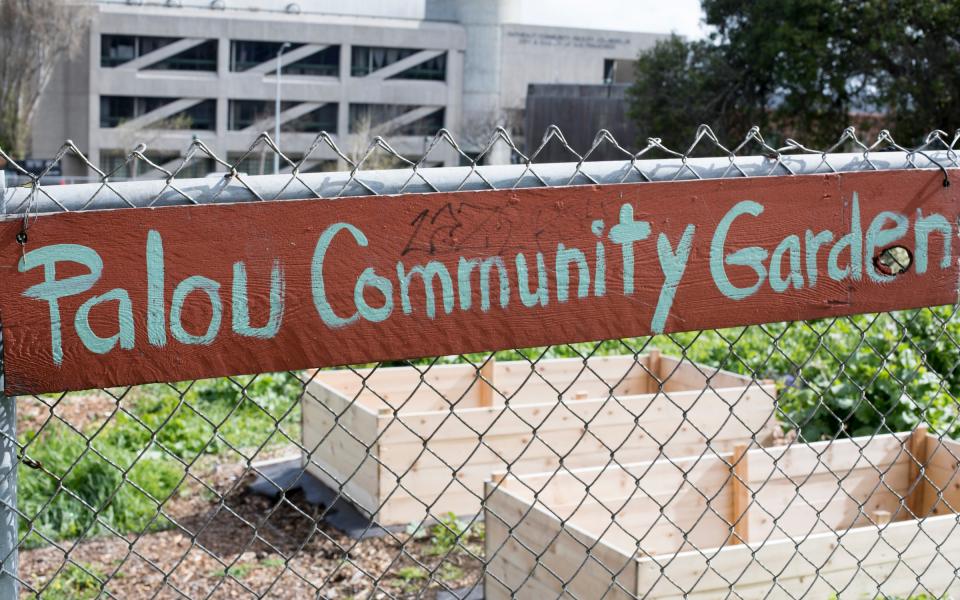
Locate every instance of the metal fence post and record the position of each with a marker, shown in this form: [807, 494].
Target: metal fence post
[9, 586]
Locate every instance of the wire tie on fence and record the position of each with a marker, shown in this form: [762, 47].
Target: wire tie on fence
[22, 240]
[30, 462]
[946, 176]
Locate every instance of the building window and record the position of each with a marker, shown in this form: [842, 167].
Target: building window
[200, 117]
[434, 69]
[616, 70]
[199, 166]
[135, 168]
[369, 59]
[324, 63]
[319, 166]
[245, 55]
[375, 119]
[260, 162]
[244, 113]
[202, 57]
[116, 110]
[118, 49]
[424, 126]
[319, 119]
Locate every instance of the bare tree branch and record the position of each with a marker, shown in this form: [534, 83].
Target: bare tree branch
[35, 35]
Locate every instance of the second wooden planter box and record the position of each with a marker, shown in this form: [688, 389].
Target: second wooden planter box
[404, 444]
[825, 518]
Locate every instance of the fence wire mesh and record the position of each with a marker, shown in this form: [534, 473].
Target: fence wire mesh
[807, 459]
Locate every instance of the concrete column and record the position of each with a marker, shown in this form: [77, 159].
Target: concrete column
[482, 70]
[343, 106]
[453, 116]
[223, 74]
[93, 95]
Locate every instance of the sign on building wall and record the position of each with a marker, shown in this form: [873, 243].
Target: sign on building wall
[167, 294]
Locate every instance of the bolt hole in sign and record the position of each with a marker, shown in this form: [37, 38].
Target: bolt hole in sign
[129, 296]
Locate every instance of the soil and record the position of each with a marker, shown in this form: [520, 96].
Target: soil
[230, 543]
[78, 410]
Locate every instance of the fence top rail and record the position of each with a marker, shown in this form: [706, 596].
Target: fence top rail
[237, 187]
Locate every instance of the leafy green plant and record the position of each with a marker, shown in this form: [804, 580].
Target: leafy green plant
[74, 582]
[447, 533]
[844, 377]
[273, 562]
[450, 572]
[410, 576]
[84, 487]
[238, 570]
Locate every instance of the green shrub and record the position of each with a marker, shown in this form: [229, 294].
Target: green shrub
[82, 480]
[118, 476]
[852, 376]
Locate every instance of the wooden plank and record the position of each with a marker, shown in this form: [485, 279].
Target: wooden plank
[340, 444]
[823, 504]
[917, 461]
[941, 495]
[486, 383]
[132, 296]
[799, 461]
[659, 417]
[407, 387]
[563, 547]
[526, 382]
[683, 374]
[667, 505]
[656, 479]
[582, 430]
[739, 478]
[654, 365]
[750, 566]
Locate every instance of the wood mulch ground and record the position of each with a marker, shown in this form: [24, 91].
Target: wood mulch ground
[80, 411]
[242, 545]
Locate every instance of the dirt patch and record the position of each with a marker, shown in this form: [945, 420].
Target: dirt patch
[79, 410]
[228, 543]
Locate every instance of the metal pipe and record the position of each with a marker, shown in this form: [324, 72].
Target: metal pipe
[224, 189]
[9, 552]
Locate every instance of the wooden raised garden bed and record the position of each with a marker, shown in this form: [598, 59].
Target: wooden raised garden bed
[846, 510]
[405, 444]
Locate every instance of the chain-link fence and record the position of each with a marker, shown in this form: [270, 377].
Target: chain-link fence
[806, 459]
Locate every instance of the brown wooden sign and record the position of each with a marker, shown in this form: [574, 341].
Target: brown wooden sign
[121, 297]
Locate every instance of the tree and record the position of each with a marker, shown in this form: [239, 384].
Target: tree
[916, 63]
[680, 85]
[805, 69]
[35, 35]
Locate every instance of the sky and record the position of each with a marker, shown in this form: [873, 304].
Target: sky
[656, 16]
